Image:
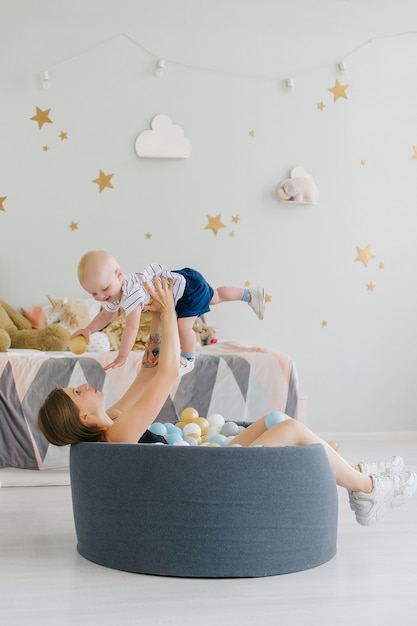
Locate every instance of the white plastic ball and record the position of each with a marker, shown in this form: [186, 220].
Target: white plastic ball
[192, 441]
[191, 427]
[216, 421]
[180, 442]
[229, 429]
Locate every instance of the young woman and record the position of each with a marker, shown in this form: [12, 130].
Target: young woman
[78, 414]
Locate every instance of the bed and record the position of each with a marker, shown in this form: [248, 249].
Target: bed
[239, 382]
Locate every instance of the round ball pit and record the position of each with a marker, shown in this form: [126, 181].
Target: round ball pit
[205, 512]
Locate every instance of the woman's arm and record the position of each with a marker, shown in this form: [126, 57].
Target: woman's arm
[133, 420]
[146, 373]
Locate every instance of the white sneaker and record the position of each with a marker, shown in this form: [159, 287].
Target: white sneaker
[391, 466]
[186, 365]
[388, 492]
[257, 301]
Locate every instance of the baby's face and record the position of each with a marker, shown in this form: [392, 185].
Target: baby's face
[104, 285]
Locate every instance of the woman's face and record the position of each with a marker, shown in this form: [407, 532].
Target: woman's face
[90, 402]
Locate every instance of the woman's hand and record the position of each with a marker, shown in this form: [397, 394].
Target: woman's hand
[162, 299]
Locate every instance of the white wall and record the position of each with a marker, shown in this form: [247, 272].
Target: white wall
[226, 62]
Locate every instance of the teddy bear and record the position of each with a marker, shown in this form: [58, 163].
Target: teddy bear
[73, 314]
[205, 334]
[16, 332]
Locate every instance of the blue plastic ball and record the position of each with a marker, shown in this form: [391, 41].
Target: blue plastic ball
[172, 438]
[157, 428]
[274, 417]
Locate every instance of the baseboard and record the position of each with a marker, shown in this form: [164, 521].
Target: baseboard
[370, 436]
[14, 477]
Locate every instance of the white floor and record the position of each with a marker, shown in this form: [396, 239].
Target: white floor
[371, 581]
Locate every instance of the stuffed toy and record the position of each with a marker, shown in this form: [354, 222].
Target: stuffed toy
[115, 330]
[300, 187]
[16, 332]
[74, 314]
[205, 334]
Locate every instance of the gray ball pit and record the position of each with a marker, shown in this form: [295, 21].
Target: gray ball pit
[204, 512]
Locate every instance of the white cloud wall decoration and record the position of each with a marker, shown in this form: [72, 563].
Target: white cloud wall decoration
[165, 141]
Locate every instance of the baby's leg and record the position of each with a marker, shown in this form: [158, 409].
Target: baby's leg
[227, 294]
[188, 337]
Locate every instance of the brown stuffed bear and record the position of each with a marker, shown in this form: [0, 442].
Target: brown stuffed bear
[16, 332]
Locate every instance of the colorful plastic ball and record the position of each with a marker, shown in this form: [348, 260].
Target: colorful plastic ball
[216, 421]
[333, 444]
[171, 438]
[171, 428]
[192, 441]
[180, 442]
[204, 425]
[230, 429]
[274, 417]
[78, 345]
[190, 428]
[218, 440]
[189, 415]
[157, 428]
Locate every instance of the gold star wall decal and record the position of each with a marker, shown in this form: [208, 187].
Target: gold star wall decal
[45, 148]
[247, 283]
[338, 91]
[381, 266]
[232, 233]
[268, 298]
[235, 219]
[74, 225]
[252, 133]
[214, 223]
[321, 106]
[2, 199]
[363, 162]
[148, 236]
[42, 117]
[370, 286]
[414, 157]
[62, 135]
[324, 323]
[103, 181]
[364, 255]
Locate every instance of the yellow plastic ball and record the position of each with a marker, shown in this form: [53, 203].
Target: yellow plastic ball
[189, 415]
[78, 345]
[204, 425]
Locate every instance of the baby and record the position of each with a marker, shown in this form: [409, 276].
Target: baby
[100, 275]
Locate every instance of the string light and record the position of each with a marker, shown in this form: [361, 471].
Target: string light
[159, 69]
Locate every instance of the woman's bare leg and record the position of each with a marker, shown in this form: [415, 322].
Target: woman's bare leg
[294, 433]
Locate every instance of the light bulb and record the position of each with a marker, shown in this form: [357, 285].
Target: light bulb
[46, 83]
[160, 67]
[342, 67]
